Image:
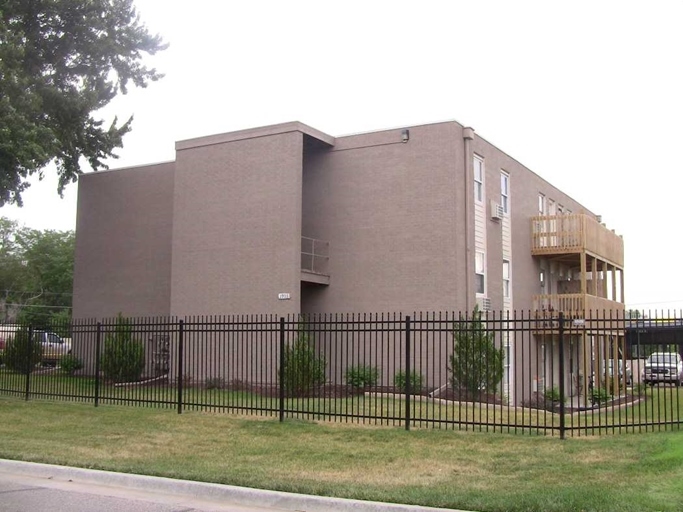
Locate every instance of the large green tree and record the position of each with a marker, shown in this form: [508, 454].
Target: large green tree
[476, 364]
[60, 61]
[36, 273]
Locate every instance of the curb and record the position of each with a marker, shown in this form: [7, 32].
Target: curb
[201, 490]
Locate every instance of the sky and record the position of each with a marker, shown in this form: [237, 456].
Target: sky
[587, 94]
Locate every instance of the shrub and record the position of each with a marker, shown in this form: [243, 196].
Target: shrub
[553, 395]
[214, 383]
[70, 364]
[123, 359]
[302, 370]
[416, 380]
[640, 388]
[600, 396]
[361, 376]
[476, 364]
[21, 353]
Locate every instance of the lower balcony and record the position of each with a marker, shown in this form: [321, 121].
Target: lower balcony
[572, 304]
[588, 313]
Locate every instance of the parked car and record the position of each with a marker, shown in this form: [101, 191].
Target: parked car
[54, 347]
[622, 369]
[663, 367]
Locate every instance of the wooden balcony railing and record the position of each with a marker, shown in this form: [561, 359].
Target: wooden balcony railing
[574, 233]
[573, 303]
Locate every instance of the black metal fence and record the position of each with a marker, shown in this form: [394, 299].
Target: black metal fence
[515, 372]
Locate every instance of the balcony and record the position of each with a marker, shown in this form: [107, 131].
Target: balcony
[572, 304]
[574, 234]
[597, 314]
[314, 260]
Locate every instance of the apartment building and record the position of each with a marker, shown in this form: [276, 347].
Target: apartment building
[286, 219]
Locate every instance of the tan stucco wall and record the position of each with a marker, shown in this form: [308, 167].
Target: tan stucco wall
[123, 242]
[237, 226]
[390, 211]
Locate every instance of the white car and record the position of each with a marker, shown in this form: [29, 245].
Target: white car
[663, 367]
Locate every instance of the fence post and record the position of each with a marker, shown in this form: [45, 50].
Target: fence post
[29, 362]
[561, 362]
[407, 373]
[98, 350]
[281, 371]
[181, 330]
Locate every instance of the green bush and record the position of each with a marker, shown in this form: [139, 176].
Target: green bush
[303, 371]
[640, 388]
[416, 381]
[553, 395]
[476, 364]
[21, 354]
[70, 364]
[214, 383]
[600, 396]
[362, 376]
[123, 359]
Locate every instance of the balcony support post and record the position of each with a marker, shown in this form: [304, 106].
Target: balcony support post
[583, 273]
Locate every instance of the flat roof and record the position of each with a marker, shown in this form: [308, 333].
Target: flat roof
[252, 133]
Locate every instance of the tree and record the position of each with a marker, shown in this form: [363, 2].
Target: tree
[476, 364]
[36, 274]
[303, 370]
[123, 359]
[61, 60]
[23, 352]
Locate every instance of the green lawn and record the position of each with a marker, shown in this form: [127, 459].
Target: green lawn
[659, 405]
[443, 468]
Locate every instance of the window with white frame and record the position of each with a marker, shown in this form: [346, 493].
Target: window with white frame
[552, 208]
[505, 191]
[478, 179]
[541, 204]
[506, 279]
[479, 277]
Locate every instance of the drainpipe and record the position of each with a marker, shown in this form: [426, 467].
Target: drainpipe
[468, 136]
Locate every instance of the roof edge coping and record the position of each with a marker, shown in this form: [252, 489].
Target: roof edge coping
[251, 133]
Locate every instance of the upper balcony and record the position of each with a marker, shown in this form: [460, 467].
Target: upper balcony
[314, 260]
[573, 234]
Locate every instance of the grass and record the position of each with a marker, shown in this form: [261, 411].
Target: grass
[466, 470]
[659, 406]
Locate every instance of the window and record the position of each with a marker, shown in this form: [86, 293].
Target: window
[506, 279]
[552, 209]
[541, 204]
[504, 190]
[478, 179]
[479, 272]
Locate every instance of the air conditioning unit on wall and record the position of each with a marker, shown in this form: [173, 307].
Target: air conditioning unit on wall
[497, 211]
[484, 303]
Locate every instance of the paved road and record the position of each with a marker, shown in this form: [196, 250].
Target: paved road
[28, 487]
[22, 493]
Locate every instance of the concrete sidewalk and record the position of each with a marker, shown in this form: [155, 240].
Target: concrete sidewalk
[197, 495]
